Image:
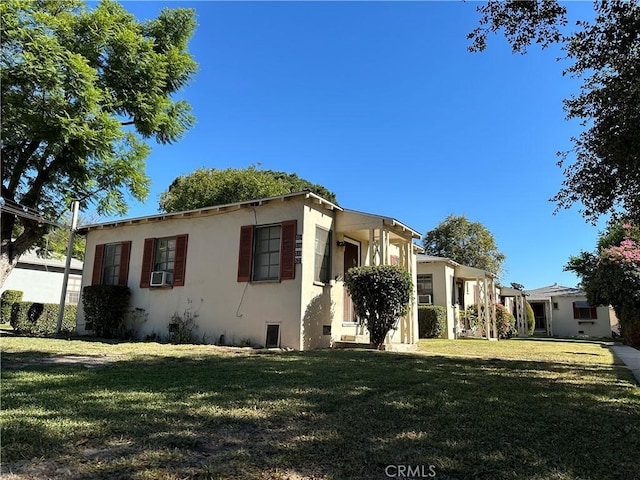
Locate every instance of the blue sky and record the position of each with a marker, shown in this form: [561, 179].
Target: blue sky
[382, 103]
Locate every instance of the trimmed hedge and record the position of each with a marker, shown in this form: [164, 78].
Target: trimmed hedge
[33, 318]
[105, 309]
[432, 321]
[7, 299]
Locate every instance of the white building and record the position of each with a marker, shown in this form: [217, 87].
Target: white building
[564, 312]
[40, 279]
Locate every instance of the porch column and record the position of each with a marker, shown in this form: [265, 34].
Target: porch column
[492, 307]
[376, 247]
[549, 309]
[521, 323]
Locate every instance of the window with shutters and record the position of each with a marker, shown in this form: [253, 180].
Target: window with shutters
[267, 252]
[111, 264]
[266, 256]
[167, 254]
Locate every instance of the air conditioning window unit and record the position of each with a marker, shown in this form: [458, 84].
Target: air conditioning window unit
[424, 299]
[161, 279]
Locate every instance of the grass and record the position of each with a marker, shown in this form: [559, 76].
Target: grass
[519, 409]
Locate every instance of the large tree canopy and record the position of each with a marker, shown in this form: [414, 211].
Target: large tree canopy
[468, 243]
[206, 187]
[602, 171]
[81, 91]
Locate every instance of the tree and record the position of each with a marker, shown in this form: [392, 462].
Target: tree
[210, 186]
[81, 91]
[611, 276]
[605, 176]
[381, 296]
[465, 242]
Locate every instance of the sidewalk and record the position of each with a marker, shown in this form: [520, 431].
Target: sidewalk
[631, 358]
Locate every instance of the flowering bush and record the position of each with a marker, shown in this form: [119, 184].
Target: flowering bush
[612, 277]
[505, 322]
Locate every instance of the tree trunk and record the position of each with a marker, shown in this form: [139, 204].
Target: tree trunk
[10, 249]
[6, 265]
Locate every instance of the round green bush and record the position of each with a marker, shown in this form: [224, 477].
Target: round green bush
[7, 299]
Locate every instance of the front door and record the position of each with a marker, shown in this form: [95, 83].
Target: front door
[351, 259]
[539, 315]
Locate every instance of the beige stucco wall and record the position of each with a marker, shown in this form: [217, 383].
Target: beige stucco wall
[240, 311]
[443, 275]
[319, 307]
[564, 325]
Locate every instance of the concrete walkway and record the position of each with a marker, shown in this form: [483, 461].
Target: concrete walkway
[631, 358]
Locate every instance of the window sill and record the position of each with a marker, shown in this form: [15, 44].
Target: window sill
[592, 322]
[321, 284]
[265, 281]
[350, 324]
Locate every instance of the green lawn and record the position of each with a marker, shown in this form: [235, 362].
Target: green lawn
[518, 409]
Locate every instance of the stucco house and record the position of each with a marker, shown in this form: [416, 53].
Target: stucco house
[40, 278]
[266, 272]
[564, 312]
[444, 282]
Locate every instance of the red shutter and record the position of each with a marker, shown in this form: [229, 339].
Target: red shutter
[245, 256]
[125, 254]
[594, 313]
[147, 262]
[576, 312]
[96, 277]
[288, 250]
[180, 262]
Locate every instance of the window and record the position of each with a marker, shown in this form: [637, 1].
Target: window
[111, 264]
[266, 256]
[167, 254]
[267, 252]
[73, 289]
[322, 268]
[584, 311]
[555, 306]
[425, 289]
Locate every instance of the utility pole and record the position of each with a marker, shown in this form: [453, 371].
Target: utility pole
[75, 205]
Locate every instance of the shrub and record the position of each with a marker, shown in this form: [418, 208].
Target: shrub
[105, 309]
[472, 319]
[432, 321]
[7, 299]
[381, 296]
[531, 319]
[182, 329]
[505, 322]
[34, 318]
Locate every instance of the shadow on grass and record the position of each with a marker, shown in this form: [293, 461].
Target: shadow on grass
[322, 414]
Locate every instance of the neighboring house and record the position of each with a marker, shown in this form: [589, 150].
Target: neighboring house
[40, 278]
[564, 312]
[444, 282]
[268, 272]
